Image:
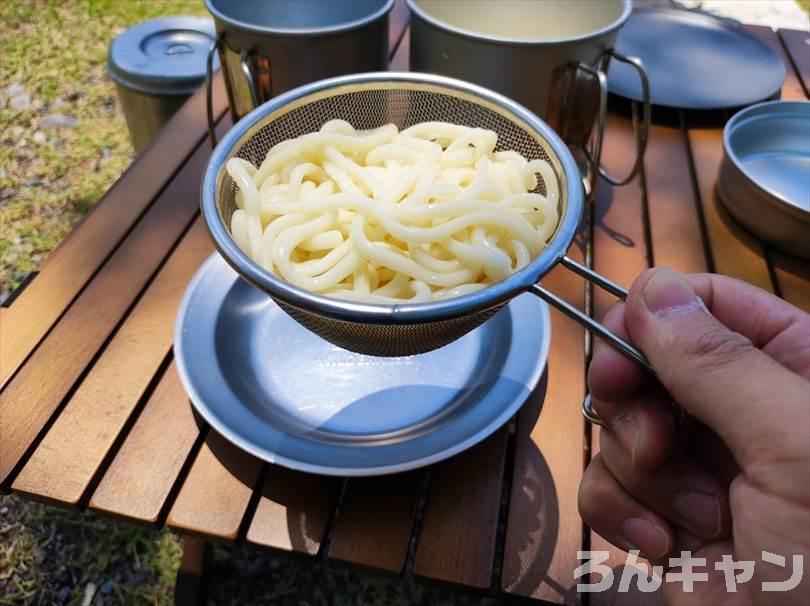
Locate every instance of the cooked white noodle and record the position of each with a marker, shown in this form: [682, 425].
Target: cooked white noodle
[428, 213]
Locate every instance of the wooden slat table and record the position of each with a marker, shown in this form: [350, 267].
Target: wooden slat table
[92, 414]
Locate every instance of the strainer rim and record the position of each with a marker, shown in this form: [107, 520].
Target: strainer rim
[398, 313]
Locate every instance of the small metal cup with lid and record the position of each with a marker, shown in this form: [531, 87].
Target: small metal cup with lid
[156, 66]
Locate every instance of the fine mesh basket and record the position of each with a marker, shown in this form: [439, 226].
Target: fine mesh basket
[369, 101]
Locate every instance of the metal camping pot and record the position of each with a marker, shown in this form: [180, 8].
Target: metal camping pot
[551, 56]
[764, 179]
[156, 66]
[267, 47]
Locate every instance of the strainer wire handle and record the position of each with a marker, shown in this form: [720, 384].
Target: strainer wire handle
[596, 328]
[584, 319]
[586, 272]
[593, 326]
[589, 413]
[209, 93]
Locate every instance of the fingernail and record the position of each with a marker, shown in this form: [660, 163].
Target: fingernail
[648, 538]
[668, 291]
[626, 431]
[701, 512]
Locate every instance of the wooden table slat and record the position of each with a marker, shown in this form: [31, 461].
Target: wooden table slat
[792, 87]
[67, 269]
[619, 244]
[549, 460]
[675, 225]
[797, 44]
[294, 511]
[669, 198]
[374, 521]
[735, 252]
[217, 491]
[70, 454]
[465, 494]
[793, 274]
[543, 531]
[616, 561]
[145, 469]
[37, 390]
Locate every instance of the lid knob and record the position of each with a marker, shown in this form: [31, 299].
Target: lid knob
[178, 48]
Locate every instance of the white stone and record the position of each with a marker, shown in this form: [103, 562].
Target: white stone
[58, 121]
[89, 592]
[20, 102]
[15, 90]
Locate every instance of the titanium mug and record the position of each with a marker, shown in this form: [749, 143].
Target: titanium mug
[550, 55]
[267, 47]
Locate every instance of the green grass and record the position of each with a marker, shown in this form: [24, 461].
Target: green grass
[804, 5]
[44, 549]
[57, 50]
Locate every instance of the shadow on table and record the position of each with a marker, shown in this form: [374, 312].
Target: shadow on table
[742, 235]
[299, 510]
[533, 526]
[601, 208]
[670, 116]
[241, 465]
[305, 500]
[529, 564]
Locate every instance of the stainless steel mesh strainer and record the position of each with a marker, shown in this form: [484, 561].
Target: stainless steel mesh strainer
[369, 101]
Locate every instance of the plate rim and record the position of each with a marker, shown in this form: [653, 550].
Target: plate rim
[214, 421]
[698, 20]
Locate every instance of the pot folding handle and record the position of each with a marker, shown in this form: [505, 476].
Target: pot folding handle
[641, 131]
[254, 92]
[209, 94]
[244, 62]
[592, 325]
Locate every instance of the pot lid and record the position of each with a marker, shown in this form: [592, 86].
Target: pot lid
[163, 56]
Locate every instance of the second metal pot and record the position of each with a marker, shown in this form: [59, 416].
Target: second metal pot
[551, 56]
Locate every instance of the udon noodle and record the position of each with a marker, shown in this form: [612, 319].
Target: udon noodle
[385, 216]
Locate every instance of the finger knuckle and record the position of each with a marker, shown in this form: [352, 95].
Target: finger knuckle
[713, 346]
[592, 490]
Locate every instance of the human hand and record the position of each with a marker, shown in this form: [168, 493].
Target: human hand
[736, 478]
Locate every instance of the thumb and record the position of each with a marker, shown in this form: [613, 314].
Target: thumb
[715, 373]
